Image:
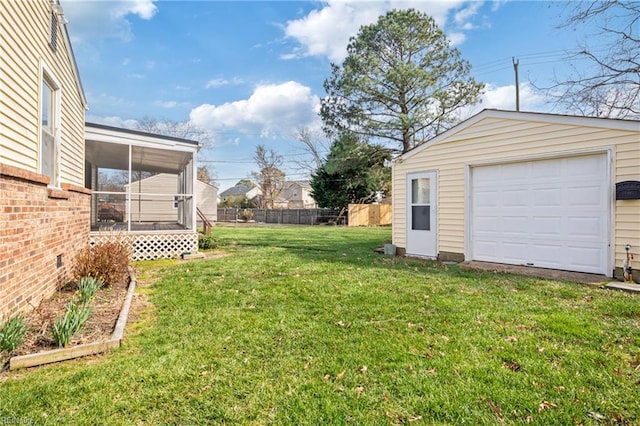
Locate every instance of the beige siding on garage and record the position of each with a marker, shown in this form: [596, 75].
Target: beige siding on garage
[627, 213]
[501, 136]
[21, 53]
[207, 200]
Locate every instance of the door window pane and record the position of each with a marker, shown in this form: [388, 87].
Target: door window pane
[420, 191]
[421, 218]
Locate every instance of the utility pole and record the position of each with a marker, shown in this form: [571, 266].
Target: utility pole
[515, 68]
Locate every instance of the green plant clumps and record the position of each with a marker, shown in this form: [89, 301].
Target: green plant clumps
[207, 242]
[64, 327]
[12, 333]
[87, 289]
[107, 262]
[77, 311]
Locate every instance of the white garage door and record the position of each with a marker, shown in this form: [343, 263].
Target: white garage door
[547, 213]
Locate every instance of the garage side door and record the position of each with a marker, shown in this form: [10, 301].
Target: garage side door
[546, 213]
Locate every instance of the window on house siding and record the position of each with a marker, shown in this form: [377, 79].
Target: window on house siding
[48, 145]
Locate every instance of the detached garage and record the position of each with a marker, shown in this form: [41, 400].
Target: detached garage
[524, 189]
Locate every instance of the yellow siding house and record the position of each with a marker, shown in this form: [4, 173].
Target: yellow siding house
[45, 207]
[525, 189]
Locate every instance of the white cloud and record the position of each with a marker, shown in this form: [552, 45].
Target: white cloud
[289, 56]
[96, 19]
[462, 16]
[326, 31]
[504, 97]
[170, 104]
[456, 38]
[114, 121]
[271, 110]
[218, 82]
[166, 104]
[497, 4]
[104, 99]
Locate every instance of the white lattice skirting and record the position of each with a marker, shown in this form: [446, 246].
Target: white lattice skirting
[155, 245]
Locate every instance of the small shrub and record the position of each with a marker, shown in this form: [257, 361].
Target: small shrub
[207, 242]
[64, 327]
[12, 333]
[87, 289]
[247, 214]
[107, 262]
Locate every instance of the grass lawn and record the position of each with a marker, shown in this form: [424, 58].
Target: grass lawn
[302, 325]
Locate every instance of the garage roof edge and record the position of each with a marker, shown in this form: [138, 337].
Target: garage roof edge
[608, 123]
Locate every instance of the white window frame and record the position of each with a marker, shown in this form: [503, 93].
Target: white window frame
[56, 108]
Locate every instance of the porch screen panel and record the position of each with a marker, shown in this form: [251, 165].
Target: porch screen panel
[179, 198]
[186, 206]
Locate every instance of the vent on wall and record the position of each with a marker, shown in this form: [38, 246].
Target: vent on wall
[54, 31]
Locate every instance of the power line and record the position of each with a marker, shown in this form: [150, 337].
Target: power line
[554, 56]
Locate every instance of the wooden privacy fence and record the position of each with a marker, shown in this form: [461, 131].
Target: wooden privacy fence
[283, 216]
[369, 214]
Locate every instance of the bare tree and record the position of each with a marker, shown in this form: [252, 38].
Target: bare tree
[316, 148]
[176, 129]
[206, 175]
[610, 87]
[270, 179]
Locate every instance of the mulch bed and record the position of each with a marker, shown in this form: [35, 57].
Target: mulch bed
[105, 309]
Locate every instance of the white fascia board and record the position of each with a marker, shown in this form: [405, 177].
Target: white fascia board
[126, 138]
[571, 120]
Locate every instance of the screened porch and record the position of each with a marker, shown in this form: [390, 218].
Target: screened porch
[143, 187]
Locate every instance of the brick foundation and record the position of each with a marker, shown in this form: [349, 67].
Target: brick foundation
[37, 225]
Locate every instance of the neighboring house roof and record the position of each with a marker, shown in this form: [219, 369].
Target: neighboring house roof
[239, 191]
[607, 123]
[304, 184]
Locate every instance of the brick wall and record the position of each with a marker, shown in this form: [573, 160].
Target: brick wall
[37, 224]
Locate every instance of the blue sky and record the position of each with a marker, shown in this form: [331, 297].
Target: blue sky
[251, 72]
